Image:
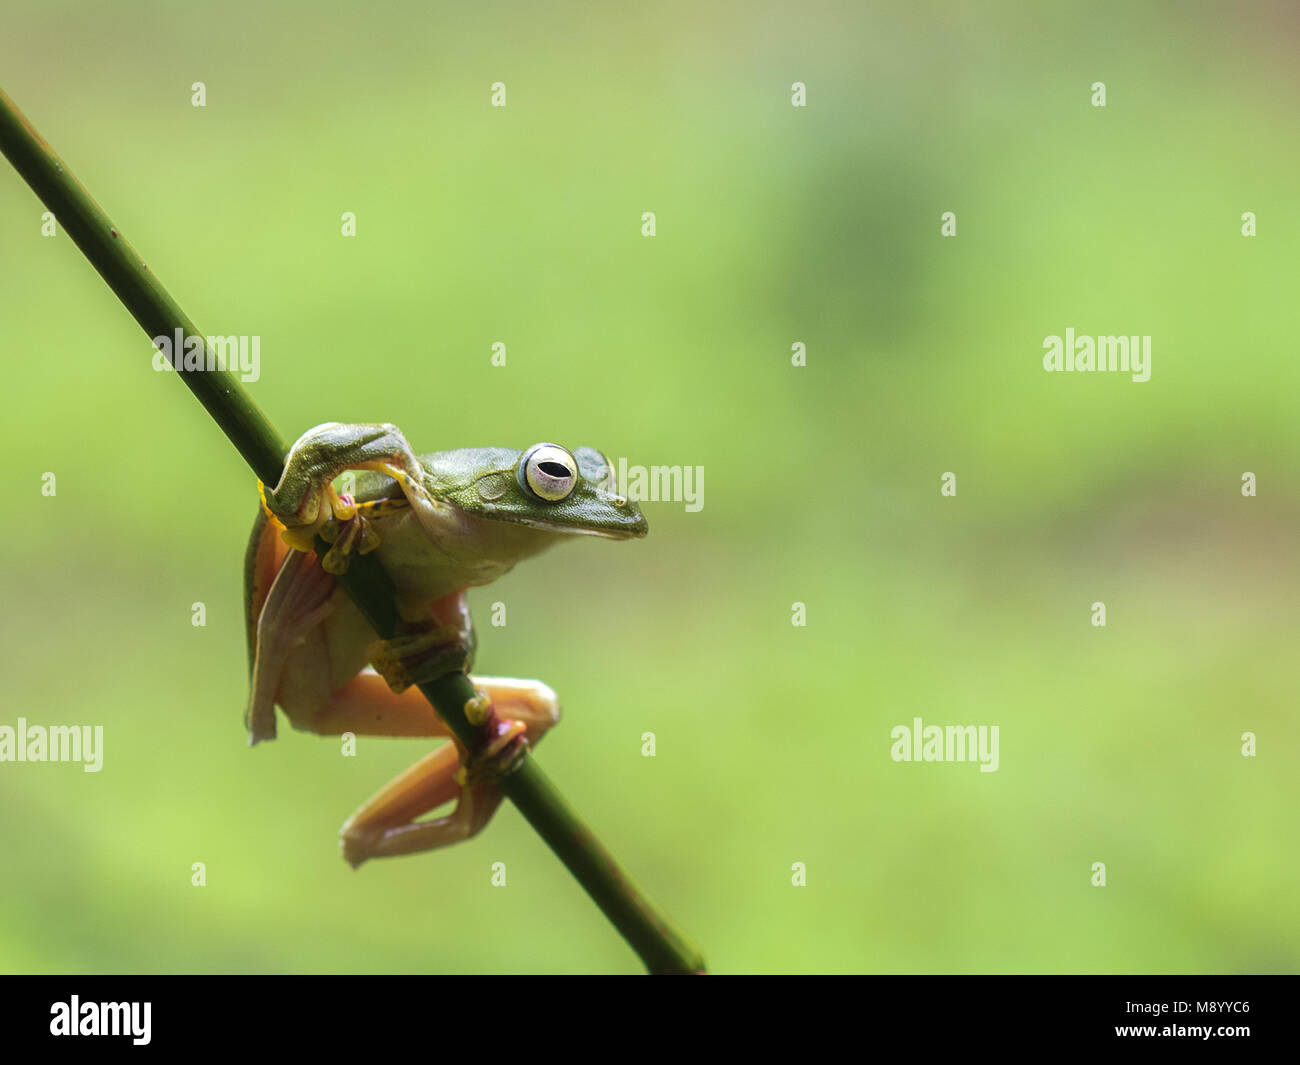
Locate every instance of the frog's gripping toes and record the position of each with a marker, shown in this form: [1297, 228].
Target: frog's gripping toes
[440, 524]
[305, 501]
[428, 649]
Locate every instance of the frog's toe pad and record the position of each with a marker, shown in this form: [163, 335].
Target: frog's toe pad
[478, 708]
[348, 531]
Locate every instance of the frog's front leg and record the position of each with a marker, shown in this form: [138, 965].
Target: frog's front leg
[305, 499]
[386, 826]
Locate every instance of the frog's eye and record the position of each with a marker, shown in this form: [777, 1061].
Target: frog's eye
[548, 471]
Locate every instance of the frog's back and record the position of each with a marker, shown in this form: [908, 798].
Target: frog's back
[450, 470]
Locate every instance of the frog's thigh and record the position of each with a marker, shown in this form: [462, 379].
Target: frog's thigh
[366, 705]
[385, 826]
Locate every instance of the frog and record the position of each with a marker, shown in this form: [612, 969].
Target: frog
[439, 524]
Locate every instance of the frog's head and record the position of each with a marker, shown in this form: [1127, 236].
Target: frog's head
[544, 487]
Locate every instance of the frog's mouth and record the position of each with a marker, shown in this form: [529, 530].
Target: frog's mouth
[634, 531]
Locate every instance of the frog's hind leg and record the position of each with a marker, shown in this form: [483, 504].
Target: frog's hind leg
[366, 705]
[386, 825]
[298, 600]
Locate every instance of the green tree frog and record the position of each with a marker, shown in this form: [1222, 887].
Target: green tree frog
[440, 524]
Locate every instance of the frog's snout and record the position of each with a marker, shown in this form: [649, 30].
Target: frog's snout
[637, 526]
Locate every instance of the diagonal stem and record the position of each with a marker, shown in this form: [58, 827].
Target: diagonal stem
[661, 947]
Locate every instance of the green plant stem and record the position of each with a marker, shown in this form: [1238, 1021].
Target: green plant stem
[661, 947]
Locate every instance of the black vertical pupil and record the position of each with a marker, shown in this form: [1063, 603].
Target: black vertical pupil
[553, 469]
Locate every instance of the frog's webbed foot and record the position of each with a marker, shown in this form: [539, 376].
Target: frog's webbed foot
[422, 651]
[504, 745]
[426, 649]
[305, 502]
[347, 530]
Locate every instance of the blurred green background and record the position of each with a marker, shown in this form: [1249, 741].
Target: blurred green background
[774, 224]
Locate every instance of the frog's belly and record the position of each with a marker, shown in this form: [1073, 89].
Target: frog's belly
[421, 575]
[324, 659]
[346, 635]
[423, 571]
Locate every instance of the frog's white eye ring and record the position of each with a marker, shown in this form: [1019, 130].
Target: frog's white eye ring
[548, 472]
